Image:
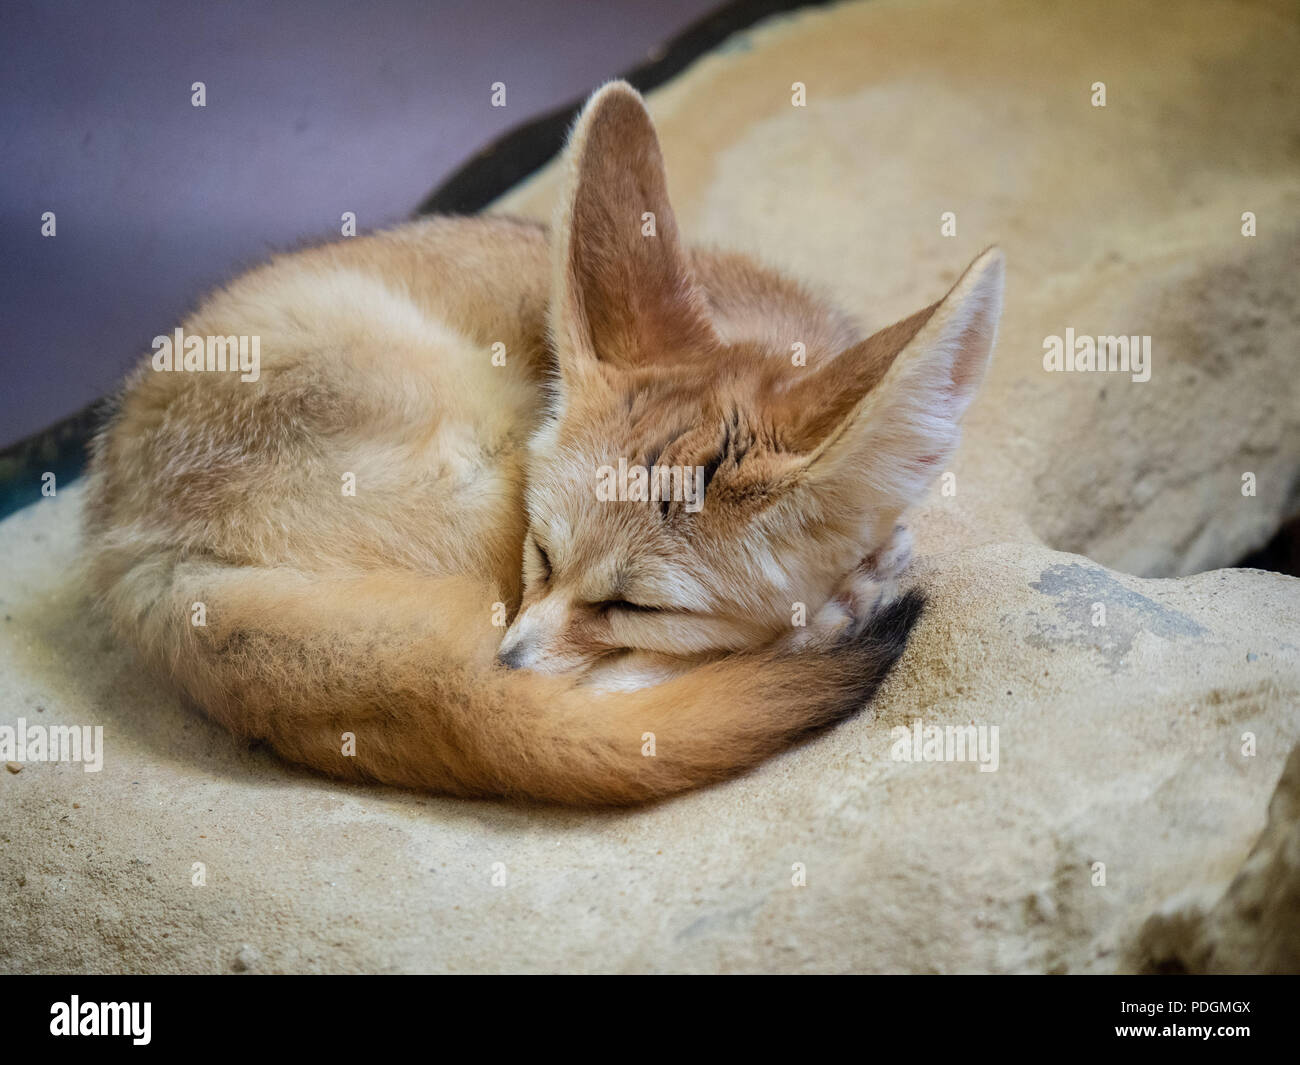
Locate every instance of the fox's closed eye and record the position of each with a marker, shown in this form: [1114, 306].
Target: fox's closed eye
[622, 604]
[544, 558]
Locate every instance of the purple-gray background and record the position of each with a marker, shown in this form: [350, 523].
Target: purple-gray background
[313, 109]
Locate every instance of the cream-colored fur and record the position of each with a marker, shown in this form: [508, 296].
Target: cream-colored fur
[377, 614]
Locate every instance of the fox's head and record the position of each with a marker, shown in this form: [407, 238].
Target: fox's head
[690, 365]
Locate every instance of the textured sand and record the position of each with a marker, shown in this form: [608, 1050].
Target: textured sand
[1120, 744]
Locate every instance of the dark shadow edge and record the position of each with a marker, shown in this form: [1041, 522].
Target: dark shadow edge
[524, 150]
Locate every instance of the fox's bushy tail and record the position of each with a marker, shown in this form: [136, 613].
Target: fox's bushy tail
[404, 665]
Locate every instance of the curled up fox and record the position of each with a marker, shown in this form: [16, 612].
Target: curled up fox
[394, 534]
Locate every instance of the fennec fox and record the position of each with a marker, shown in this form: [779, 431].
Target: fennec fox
[335, 546]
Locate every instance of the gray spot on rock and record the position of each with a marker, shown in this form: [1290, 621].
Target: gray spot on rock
[721, 921]
[1076, 588]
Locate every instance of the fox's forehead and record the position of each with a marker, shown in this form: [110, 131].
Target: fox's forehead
[556, 527]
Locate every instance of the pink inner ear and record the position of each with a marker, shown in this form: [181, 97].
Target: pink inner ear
[635, 292]
[817, 405]
[897, 433]
[971, 355]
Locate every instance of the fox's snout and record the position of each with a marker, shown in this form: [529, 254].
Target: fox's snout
[517, 651]
[536, 639]
[513, 658]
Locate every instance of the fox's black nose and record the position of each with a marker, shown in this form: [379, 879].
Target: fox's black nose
[513, 658]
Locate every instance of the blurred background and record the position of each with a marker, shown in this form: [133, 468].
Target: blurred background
[312, 109]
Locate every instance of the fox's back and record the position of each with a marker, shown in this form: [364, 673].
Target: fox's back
[400, 375]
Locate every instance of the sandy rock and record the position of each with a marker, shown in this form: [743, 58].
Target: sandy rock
[1255, 926]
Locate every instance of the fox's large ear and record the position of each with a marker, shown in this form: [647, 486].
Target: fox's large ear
[883, 417]
[624, 293]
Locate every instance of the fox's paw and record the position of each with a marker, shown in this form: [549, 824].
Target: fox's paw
[826, 627]
[889, 561]
[874, 584]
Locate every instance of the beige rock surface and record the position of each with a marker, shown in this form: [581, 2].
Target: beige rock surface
[1127, 744]
[1256, 924]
